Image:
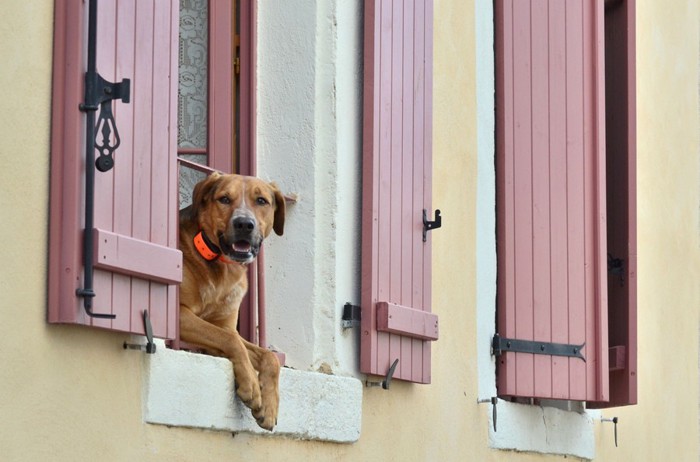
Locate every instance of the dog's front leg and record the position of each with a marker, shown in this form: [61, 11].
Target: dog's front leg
[266, 363]
[195, 330]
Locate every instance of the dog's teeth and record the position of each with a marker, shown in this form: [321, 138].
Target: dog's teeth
[241, 247]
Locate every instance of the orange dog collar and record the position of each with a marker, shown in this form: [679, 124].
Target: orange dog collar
[205, 248]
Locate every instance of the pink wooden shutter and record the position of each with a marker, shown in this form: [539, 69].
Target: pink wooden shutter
[552, 260]
[396, 297]
[620, 74]
[221, 136]
[135, 202]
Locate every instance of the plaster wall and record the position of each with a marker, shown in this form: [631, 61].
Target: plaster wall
[71, 393]
[309, 121]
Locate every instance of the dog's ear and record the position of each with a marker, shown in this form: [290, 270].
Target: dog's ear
[203, 192]
[280, 205]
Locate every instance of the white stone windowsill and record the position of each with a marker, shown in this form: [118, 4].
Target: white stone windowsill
[193, 390]
[543, 429]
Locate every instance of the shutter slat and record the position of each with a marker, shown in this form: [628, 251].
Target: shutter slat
[164, 223]
[558, 222]
[424, 33]
[505, 174]
[522, 193]
[574, 192]
[220, 73]
[541, 207]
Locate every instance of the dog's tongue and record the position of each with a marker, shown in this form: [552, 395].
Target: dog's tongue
[241, 246]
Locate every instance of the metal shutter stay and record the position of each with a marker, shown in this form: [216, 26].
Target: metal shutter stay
[99, 93]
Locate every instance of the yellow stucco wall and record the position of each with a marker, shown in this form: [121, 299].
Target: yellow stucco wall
[69, 393]
[668, 249]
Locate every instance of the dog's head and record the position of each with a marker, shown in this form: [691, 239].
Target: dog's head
[237, 212]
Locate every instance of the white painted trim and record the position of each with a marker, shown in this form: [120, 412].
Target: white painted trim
[539, 429]
[485, 198]
[192, 390]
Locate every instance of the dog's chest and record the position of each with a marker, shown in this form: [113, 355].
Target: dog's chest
[220, 301]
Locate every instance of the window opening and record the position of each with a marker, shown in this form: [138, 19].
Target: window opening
[192, 104]
[214, 117]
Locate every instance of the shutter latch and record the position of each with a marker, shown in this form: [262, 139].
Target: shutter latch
[614, 420]
[494, 413]
[386, 383]
[616, 266]
[150, 346]
[430, 225]
[500, 345]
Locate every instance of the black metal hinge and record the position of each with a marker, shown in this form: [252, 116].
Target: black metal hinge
[351, 316]
[501, 345]
[99, 94]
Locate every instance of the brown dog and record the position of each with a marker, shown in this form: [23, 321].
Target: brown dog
[220, 233]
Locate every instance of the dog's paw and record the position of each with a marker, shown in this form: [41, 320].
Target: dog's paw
[248, 390]
[250, 397]
[266, 416]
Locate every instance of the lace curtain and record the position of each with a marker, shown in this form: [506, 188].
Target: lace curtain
[192, 91]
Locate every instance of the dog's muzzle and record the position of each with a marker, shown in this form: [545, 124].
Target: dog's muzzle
[242, 242]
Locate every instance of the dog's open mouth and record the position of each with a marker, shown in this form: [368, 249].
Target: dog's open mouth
[242, 247]
[242, 251]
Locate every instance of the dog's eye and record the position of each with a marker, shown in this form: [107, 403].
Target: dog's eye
[224, 200]
[261, 201]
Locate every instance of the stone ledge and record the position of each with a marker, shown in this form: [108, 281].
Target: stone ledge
[193, 390]
[544, 430]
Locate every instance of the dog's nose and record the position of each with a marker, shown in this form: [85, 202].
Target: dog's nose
[245, 224]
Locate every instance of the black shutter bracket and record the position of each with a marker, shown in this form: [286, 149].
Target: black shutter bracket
[431, 225]
[150, 346]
